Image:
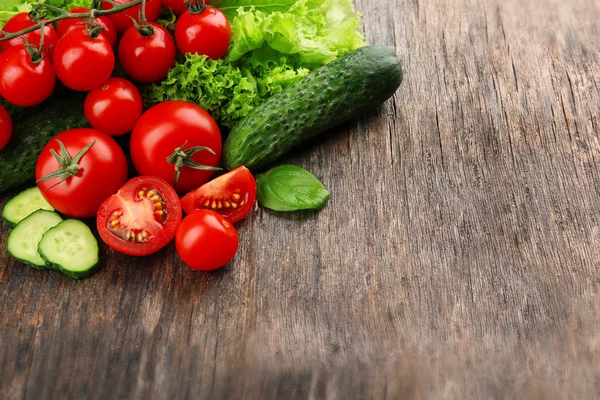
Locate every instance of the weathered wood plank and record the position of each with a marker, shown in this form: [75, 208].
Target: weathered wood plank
[458, 257]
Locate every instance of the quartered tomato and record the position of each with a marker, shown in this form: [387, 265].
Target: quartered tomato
[232, 195]
[141, 218]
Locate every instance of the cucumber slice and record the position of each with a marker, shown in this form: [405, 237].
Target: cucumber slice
[24, 239]
[23, 204]
[71, 248]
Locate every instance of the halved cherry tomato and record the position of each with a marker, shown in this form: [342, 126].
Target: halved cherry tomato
[206, 241]
[108, 29]
[232, 195]
[141, 218]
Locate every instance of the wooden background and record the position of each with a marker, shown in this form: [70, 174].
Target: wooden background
[458, 256]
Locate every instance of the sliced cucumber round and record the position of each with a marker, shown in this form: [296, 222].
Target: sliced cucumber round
[24, 239]
[23, 204]
[71, 248]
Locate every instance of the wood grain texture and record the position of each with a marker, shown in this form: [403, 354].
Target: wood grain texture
[458, 257]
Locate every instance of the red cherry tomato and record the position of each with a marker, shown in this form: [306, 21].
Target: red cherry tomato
[114, 107]
[109, 31]
[206, 241]
[207, 33]
[122, 20]
[5, 127]
[178, 7]
[101, 171]
[22, 21]
[147, 58]
[232, 195]
[81, 62]
[170, 127]
[141, 218]
[22, 82]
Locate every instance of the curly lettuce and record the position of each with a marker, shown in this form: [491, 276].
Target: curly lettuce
[274, 44]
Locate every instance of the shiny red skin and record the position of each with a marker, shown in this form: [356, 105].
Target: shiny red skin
[109, 31]
[219, 193]
[167, 126]
[22, 82]
[5, 127]
[103, 170]
[122, 20]
[207, 33]
[82, 63]
[114, 107]
[206, 241]
[147, 59]
[125, 199]
[177, 6]
[22, 21]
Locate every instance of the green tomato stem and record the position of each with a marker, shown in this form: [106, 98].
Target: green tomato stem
[67, 15]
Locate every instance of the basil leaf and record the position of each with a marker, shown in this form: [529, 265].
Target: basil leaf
[290, 188]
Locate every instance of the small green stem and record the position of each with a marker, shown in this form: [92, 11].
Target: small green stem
[67, 15]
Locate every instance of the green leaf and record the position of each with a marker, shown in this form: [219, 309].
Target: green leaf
[275, 43]
[290, 188]
[230, 7]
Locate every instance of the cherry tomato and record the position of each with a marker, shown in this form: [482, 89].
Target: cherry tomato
[113, 108]
[232, 195]
[22, 21]
[99, 173]
[175, 127]
[178, 7]
[147, 58]
[5, 127]
[122, 20]
[207, 33]
[206, 241]
[22, 82]
[109, 31]
[141, 218]
[81, 62]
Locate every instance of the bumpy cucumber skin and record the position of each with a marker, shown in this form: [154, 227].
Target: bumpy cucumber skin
[18, 159]
[359, 81]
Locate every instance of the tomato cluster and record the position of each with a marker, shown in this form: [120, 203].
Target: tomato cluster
[175, 146]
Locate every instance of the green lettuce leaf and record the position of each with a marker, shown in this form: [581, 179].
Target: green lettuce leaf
[231, 7]
[274, 44]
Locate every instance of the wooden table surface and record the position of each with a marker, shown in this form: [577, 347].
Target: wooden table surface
[457, 258]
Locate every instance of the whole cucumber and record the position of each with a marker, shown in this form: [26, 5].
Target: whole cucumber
[359, 81]
[19, 157]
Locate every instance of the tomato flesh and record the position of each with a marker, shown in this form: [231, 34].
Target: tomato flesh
[141, 218]
[232, 195]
